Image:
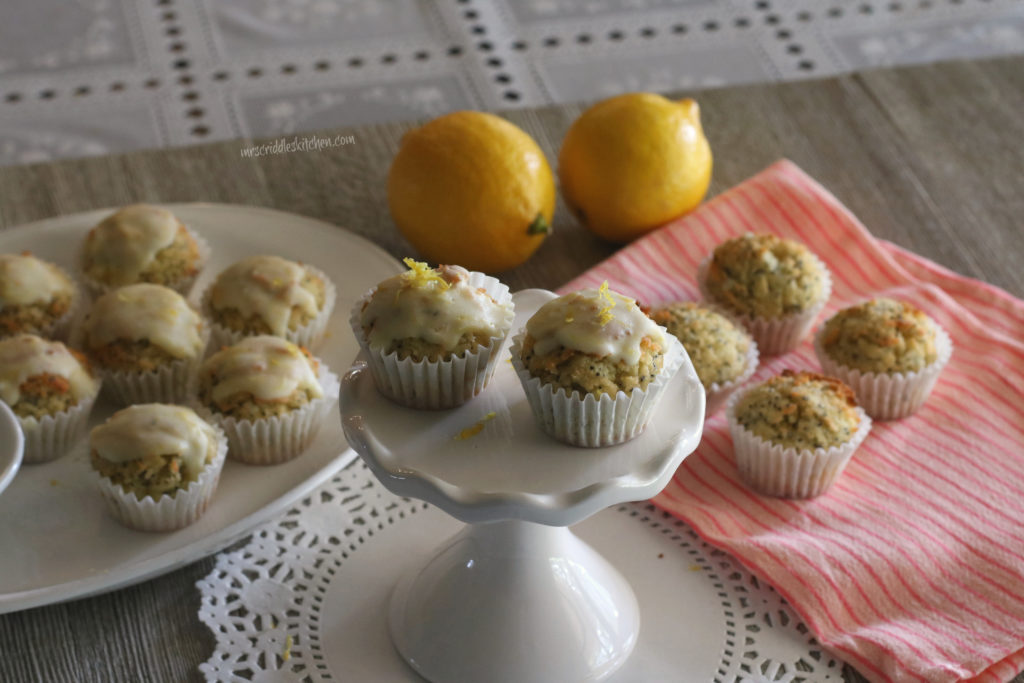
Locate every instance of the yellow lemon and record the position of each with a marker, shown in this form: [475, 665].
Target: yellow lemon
[472, 189]
[631, 163]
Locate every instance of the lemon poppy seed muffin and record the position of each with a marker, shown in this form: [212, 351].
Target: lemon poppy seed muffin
[593, 366]
[146, 340]
[36, 297]
[888, 351]
[881, 335]
[156, 465]
[427, 313]
[50, 388]
[793, 434]
[141, 243]
[432, 335]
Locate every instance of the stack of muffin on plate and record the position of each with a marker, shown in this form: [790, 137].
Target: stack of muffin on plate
[259, 399]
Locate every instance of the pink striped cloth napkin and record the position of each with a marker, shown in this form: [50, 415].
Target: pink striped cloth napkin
[911, 568]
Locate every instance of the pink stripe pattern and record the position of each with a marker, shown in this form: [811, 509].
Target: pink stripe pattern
[911, 568]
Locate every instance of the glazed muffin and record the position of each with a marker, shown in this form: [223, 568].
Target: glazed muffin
[722, 352]
[51, 389]
[146, 341]
[269, 295]
[593, 366]
[794, 433]
[775, 287]
[36, 297]
[268, 395]
[433, 336]
[888, 351]
[141, 243]
[157, 465]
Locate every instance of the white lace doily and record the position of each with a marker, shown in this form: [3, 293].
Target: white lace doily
[305, 598]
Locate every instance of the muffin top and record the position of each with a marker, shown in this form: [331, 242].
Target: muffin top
[123, 247]
[269, 294]
[716, 346]
[764, 276]
[152, 430]
[145, 312]
[429, 313]
[801, 410]
[881, 335]
[598, 322]
[26, 357]
[261, 368]
[26, 280]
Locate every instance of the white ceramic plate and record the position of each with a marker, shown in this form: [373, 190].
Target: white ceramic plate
[12, 446]
[57, 541]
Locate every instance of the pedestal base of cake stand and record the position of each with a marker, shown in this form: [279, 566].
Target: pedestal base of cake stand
[514, 601]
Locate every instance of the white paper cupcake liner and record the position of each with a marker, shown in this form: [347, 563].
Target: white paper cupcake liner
[280, 438]
[718, 393]
[97, 289]
[51, 436]
[775, 336]
[589, 421]
[436, 385]
[166, 513]
[309, 335]
[171, 383]
[775, 470]
[889, 396]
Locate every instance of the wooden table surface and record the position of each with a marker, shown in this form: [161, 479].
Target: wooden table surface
[927, 157]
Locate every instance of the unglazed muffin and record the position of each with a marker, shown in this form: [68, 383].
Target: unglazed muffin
[593, 366]
[141, 243]
[432, 336]
[269, 295]
[722, 352]
[36, 297]
[146, 341]
[794, 433]
[157, 465]
[775, 287]
[888, 351]
[51, 390]
[268, 395]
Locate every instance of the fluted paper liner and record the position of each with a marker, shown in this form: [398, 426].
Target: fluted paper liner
[775, 335]
[279, 438]
[309, 335]
[718, 393]
[51, 436]
[775, 470]
[171, 383]
[436, 385]
[889, 396]
[97, 289]
[168, 512]
[589, 421]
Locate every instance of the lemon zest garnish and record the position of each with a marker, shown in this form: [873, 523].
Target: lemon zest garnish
[420, 274]
[470, 432]
[569, 318]
[54, 482]
[604, 316]
[287, 654]
[695, 567]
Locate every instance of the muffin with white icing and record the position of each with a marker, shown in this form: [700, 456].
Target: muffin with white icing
[146, 341]
[794, 433]
[268, 395]
[432, 336]
[593, 366]
[888, 351]
[142, 243]
[269, 295]
[36, 297]
[51, 390]
[775, 287]
[156, 465]
[722, 352]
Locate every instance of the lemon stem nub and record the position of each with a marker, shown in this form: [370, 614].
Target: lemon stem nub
[539, 226]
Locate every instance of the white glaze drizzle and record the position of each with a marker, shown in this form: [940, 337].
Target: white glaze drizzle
[123, 244]
[267, 286]
[151, 429]
[26, 355]
[145, 311]
[267, 367]
[24, 279]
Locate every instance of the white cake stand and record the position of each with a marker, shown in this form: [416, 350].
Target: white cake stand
[514, 596]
